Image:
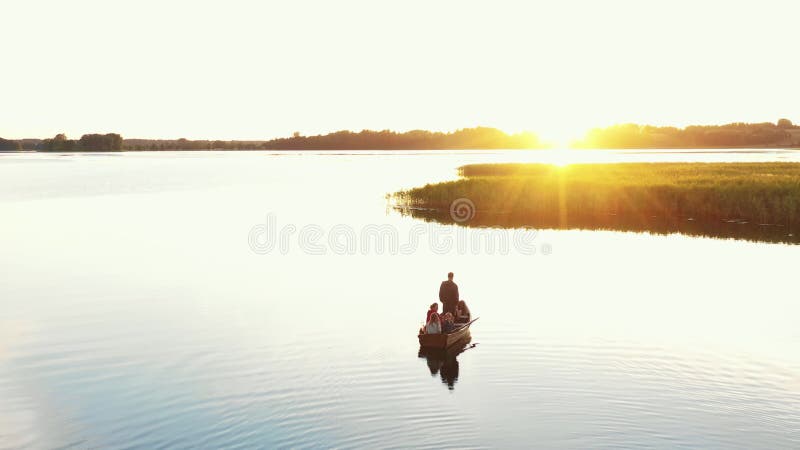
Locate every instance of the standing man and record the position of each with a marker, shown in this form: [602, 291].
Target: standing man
[448, 295]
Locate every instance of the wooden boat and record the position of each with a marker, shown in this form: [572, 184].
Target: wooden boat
[443, 340]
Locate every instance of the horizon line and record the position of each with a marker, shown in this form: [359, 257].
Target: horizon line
[401, 131]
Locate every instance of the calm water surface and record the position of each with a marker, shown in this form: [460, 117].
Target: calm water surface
[134, 313]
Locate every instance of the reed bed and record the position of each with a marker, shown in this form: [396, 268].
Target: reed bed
[761, 193]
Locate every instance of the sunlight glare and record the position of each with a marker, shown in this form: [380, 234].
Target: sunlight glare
[561, 157]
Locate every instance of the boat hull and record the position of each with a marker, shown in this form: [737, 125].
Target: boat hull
[442, 340]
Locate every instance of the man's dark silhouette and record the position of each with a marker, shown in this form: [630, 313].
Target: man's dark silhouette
[448, 295]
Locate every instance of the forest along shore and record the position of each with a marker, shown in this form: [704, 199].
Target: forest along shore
[755, 201]
[781, 134]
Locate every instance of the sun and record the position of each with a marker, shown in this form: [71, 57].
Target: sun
[560, 137]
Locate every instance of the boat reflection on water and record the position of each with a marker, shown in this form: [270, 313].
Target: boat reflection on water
[445, 361]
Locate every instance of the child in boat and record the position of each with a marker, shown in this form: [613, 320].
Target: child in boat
[433, 309]
[448, 325]
[462, 312]
[434, 325]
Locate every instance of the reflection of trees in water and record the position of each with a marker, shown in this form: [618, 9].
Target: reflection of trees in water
[634, 223]
[445, 362]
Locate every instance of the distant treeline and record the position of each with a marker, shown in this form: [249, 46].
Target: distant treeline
[87, 143]
[783, 133]
[9, 145]
[186, 144]
[468, 138]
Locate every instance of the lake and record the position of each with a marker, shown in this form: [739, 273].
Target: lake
[262, 300]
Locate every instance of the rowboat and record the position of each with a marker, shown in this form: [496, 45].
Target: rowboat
[445, 340]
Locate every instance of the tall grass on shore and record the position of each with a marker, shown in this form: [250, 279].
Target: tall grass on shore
[580, 195]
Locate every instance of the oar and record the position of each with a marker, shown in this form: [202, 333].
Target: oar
[464, 325]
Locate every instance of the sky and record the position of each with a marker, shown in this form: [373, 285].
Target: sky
[262, 69]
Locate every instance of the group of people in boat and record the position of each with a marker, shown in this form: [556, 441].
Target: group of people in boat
[454, 310]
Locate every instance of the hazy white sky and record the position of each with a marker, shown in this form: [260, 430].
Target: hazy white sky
[261, 69]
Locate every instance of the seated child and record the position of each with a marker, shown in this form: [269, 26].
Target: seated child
[433, 309]
[434, 325]
[448, 325]
[462, 312]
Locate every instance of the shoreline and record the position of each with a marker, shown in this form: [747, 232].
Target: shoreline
[643, 150]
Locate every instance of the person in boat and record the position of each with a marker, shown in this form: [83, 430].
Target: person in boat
[462, 312]
[434, 325]
[433, 309]
[448, 294]
[448, 324]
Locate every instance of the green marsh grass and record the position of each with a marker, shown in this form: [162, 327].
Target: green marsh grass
[583, 194]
